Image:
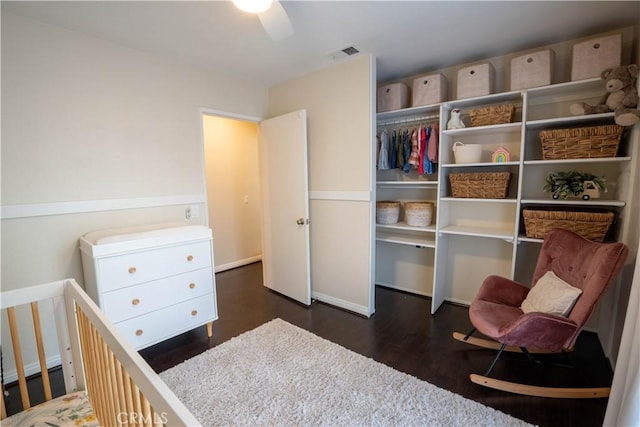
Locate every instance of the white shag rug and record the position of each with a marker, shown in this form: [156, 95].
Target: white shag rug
[281, 375]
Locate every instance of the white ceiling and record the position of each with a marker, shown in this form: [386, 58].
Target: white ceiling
[406, 37]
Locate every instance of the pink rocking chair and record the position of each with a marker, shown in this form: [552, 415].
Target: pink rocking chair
[507, 311]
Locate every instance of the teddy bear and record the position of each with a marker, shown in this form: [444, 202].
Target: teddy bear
[455, 122]
[621, 96]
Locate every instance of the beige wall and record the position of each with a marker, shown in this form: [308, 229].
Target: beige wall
[94, 136]
[339, 106]
[233, 190]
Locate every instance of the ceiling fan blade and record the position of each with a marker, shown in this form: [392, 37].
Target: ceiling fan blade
[276, 22]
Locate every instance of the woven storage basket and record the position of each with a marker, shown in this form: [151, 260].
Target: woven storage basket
[493, 115]
[591, 225]
[581, 143]
[387, 212]
[481, 185]
[418, 214]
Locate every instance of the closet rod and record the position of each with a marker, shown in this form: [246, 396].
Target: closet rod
[415, 119]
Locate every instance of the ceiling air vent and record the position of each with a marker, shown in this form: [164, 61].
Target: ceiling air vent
[342, 54]
[349, 51]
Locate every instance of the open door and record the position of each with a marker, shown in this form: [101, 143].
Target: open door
[285, 202]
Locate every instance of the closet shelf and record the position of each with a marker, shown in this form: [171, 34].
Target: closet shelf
[493, 233]
[580, 202]
[602, 118]
[567, 161]
[405, 239]
[472, 200]
[482, 164]
[479, 130]
[407, 113]
[496, 98]
[407, 184]
[405, 226]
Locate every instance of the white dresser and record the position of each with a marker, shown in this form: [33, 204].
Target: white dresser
[152, 282]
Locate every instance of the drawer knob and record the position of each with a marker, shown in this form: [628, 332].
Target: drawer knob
[135, 301]
[194, 312]
[139, 332]
[192, 285]
[132, 270]
[190, 258]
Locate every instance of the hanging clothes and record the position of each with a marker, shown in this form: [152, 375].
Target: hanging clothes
[427, 165]
[406, 143]
[423, 146]
[383, 164]
[414, 157]
[400, 150]
[394, 151]
[432, 152]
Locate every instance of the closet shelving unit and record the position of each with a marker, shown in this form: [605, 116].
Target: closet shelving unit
[404, 253]
[474, 238]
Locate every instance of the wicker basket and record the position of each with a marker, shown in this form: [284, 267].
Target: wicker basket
[581, 143]
[481, 185]
[493, 115]
[418, 214]
[387, 212]
[591, 225]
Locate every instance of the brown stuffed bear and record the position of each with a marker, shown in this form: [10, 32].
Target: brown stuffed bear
[621, 96]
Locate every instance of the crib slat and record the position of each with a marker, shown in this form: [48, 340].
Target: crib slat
[44, 372]
[17, 352]
[3, 410]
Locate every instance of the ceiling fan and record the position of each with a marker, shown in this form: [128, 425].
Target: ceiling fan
[272, 15]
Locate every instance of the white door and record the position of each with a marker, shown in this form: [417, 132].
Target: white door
[285, 202]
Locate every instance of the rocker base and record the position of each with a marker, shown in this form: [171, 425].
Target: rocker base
[494, 345]
[530, 390]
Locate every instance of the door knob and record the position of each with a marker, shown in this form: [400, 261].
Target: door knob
[300, 221]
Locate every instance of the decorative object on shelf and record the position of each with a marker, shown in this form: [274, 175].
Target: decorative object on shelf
[621, 96]
[471, 153]
[455, 122]
[393, 96]
[532, 70]
[387, 212]
[430, 89]
[591, 56]
[574, 184]
[418, 214]
[590, 225]
[501, 155]
[475, 80]
[493, 115]
[480, 185]
[581, 143]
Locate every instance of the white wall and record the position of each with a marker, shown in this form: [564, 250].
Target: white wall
[233, 190]
[101, 136]
[339, 106]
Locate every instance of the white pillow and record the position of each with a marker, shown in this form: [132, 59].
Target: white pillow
[551, 295]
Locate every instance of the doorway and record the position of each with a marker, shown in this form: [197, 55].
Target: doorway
[233, 190]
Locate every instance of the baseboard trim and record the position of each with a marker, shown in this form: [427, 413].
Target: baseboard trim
[239, 263]
[359, 309]
[403, 289]
[11, 375]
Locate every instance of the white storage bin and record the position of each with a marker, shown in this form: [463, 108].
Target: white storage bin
[393, 96]
[429, 89]
[532, 70]
[475, 80]
[591, 57]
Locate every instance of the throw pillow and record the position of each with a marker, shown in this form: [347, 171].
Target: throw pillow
[551, 295]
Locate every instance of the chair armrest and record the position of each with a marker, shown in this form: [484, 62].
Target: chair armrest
[500, 290]
[539, 330]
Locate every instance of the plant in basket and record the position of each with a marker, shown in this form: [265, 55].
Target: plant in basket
[574, 184]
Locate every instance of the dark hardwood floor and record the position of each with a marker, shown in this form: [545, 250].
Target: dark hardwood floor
[404, 335]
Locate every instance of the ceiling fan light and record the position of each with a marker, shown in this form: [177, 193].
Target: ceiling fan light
[253, 6]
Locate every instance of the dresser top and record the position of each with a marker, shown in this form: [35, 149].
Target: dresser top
[110, 241]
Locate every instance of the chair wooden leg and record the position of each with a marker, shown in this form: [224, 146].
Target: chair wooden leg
[530, 390]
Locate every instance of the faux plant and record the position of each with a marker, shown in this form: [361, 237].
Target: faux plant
[570, 183]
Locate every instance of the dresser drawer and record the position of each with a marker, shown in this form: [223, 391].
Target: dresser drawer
[137, 300]
[161, 324]
[129, 269]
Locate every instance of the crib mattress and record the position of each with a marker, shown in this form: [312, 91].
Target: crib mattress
[72, 409]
